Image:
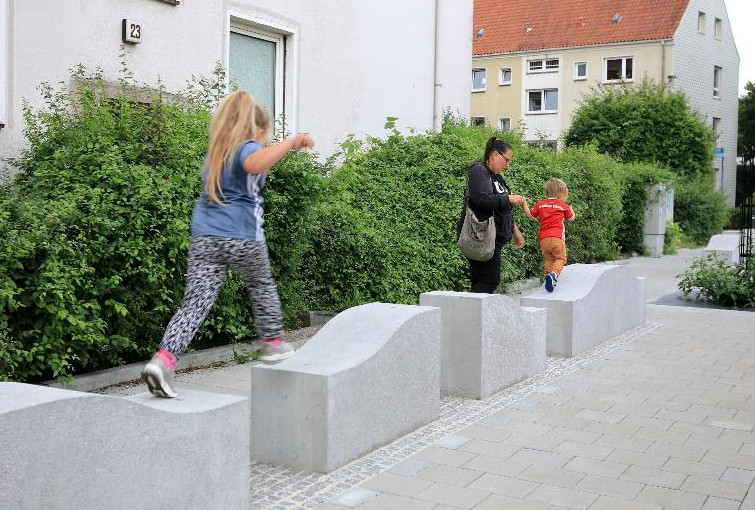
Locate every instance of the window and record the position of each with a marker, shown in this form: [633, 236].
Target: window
[580, 70]
[255, 64]
[505, 77]
[538, 66]
[617, 69]
[504, 124]
[478, 80]
[717, 71]
[545, 101]
[716, 128]
[478, 121]
[701, 22]
[718, 29]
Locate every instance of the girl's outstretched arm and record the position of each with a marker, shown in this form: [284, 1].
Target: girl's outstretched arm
[260, 161]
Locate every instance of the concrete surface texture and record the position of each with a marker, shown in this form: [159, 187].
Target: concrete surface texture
[369, 376]
[488, 342]
[63, 449]
[590, 304]
[724, 246]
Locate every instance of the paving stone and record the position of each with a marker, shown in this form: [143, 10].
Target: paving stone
[393, 502]
[444, 456]
[562, 497]
[654, 477]
[671, 499]
[485, 433]
[397, 484]
[408, 467]
[667, 436]
[489, 448]
[548, 476]
[737, 475]
[540, 458]
[453, 442]
[624, 441]
[497, 466]
[596, 467]
[732, 460]
[611, 503]
[449, 475]
[545, 442]
[505, 486]
[747, 449]
[730, 424]
[713, 487]
[590, 451]
[451, 495]
[691, 467]
[498, 502]
[687, 452]
[609, 487]
[714, 503]
[355, 497]
[648, 460]
[602, 416]
[577, 436]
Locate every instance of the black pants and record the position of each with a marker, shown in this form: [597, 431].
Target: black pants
[485, 276]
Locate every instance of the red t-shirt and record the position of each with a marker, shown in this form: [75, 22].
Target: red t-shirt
[551, 213]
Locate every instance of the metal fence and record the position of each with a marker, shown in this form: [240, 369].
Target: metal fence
[746, 199]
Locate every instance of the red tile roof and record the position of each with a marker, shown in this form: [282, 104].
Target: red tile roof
[524, 25]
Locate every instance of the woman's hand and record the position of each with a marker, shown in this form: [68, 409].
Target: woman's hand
[516, 199]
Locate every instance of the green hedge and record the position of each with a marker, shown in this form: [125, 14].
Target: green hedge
[94, 231]
[700, 211]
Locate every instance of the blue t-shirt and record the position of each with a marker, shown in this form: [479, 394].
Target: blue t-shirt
[240, 215]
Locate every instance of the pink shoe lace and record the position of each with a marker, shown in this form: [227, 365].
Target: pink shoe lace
[167, 356]
[273, 341]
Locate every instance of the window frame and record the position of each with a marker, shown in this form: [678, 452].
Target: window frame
[501, 81]
[485, 79]
[543, 102]
[718, 29]
[716, 127]
[718, 72]
[474, 118]
[701, 22]
[623, 68]
[260, 32]
[543, 68]
[500, 123]
[577, 77]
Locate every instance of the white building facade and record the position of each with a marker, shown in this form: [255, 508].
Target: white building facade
[331, 67]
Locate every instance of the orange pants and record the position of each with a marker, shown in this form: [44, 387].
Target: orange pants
[554, 254]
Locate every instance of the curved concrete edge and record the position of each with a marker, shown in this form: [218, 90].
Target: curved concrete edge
[488, 342]
[67, 449]
[724, 247]
[370, 376]
[591, 303]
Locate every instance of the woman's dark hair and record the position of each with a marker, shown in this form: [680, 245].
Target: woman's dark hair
[498, 145]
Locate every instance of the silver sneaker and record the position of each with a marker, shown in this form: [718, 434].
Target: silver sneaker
[159, 376]
[275, 353]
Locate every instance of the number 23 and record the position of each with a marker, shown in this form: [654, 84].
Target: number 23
[136, 31]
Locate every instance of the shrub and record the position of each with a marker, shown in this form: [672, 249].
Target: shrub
[672, 240]
[700, 211]
[644, 123]
[720, 282]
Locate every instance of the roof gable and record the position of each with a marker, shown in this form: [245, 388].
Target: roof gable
[527, 25]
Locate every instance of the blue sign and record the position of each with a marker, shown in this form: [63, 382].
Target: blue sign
[720, 152]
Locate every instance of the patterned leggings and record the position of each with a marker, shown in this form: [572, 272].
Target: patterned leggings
[209, 260]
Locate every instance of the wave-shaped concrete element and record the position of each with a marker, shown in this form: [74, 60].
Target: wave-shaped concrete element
[368, 377]
[590, 304]
[488, 342]
[724, 247]
[63, 450]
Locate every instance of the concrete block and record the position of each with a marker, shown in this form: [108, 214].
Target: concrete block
[654, 244]
[488, 342]
[62, 449]
[591, 303]
[655, 210]
[724, 247]
[368, 377]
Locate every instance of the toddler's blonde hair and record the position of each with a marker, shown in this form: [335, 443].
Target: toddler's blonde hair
[555, 187]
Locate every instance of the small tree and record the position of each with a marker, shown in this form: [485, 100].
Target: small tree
[645, 123]
[746, 138]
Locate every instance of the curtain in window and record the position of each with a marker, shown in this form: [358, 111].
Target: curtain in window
[252, 68]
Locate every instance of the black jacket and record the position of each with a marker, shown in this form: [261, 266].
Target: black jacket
[489, 195]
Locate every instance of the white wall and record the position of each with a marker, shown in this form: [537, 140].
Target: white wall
[349, 65]
[695, 55]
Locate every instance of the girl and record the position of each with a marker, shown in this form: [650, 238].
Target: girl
[226, 231]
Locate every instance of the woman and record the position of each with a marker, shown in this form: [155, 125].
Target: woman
[489, 195]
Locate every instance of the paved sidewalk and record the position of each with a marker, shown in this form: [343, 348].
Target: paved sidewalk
[659, 418]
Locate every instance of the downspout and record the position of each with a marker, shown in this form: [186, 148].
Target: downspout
[435, 69]
[663, 61]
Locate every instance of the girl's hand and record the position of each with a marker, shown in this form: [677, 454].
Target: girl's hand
[516, 199]
[302, 141]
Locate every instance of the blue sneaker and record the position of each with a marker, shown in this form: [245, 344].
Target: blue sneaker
[550, 281]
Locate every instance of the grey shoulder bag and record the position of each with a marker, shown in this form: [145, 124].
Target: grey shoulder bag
[477, 238]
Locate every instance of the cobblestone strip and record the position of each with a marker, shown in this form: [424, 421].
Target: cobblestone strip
[278, 488]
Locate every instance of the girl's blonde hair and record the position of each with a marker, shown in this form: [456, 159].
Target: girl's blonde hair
[238, 118]
[555, 186]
